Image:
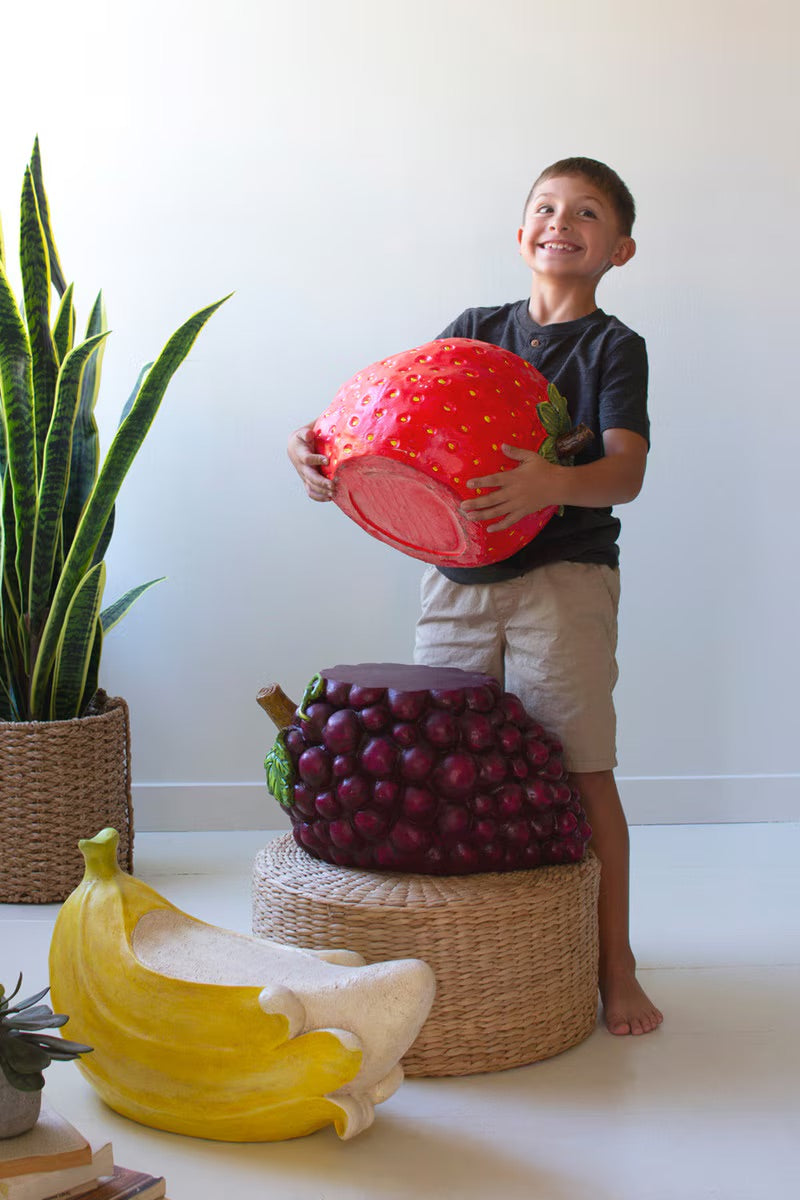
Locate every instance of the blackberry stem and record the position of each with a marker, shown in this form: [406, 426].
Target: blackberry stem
[277, 705]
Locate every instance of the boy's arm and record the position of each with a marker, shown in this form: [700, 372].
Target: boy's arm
[536, 483]
[301, 454]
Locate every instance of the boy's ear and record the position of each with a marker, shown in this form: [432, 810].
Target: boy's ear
[624, 252]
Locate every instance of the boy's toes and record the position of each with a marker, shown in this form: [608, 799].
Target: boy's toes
[618, 1026]
[627, 1008]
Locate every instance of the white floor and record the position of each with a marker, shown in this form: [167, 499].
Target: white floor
[709, 1106]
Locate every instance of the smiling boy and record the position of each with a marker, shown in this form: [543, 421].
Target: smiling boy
[544, 621]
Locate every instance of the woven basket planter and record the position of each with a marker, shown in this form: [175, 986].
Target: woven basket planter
[61, 781]
[514, 954]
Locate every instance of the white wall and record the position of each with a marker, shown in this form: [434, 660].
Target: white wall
[355, 171]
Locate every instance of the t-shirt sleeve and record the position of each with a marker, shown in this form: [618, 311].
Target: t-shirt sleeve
[623, 388]
[461, 327]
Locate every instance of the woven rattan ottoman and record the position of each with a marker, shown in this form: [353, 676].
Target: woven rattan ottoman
[514, 954]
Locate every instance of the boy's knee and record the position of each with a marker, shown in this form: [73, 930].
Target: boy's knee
[597, 789]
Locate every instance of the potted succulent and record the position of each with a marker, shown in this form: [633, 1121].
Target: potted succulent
[64, 745]
[25, 1052]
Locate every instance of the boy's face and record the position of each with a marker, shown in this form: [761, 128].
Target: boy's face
[571, 231]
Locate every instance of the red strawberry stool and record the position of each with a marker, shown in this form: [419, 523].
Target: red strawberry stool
[404, 435]
[432, 819]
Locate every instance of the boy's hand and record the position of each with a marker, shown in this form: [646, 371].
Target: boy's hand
[616, 478]
[307, 463]
[530, 486]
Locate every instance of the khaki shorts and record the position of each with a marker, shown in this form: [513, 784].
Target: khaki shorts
[550, 637]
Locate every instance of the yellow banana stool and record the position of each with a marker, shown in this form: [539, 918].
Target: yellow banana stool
[202, 1031]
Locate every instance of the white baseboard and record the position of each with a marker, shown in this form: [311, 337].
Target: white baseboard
[656, 800]
[710, 799]
[198, 806]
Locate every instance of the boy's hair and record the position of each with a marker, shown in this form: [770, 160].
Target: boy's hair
[603, 177]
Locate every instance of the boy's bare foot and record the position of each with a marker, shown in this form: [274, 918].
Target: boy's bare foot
[626, 1006]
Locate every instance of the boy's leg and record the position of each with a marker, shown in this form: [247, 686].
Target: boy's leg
[458, 626]
[464, 626]
[626, 1007]
[574, 607]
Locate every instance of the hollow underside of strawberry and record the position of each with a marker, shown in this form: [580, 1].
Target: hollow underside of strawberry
[404, 435]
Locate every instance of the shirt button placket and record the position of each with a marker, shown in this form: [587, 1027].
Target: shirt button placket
[535, 353]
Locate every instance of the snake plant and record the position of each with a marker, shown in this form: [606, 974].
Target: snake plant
[58, 497]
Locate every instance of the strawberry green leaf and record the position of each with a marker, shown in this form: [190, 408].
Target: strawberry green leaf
[548, 450]
[550, 419]
[560, 405]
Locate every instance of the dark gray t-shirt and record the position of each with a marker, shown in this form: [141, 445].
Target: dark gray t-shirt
[600, 367]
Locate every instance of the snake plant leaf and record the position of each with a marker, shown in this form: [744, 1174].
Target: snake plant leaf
[11, 648]
[137, 387]
[8, 709]
[120, 455]
[36, 286]
[93, 670]
[53, 486]
[16, 382]
[9, 582]
[105, 537]
[64, 328]
[114, 613]
[56, 273]
[85, 438]
[74, 650]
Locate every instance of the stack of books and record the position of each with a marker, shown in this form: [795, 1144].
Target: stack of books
[54, 1161]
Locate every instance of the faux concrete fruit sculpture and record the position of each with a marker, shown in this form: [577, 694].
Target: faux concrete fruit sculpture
[405, 435]
[426, 769]
[205, 1032]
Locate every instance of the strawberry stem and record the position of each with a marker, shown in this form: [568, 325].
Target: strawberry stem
[573, 442]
